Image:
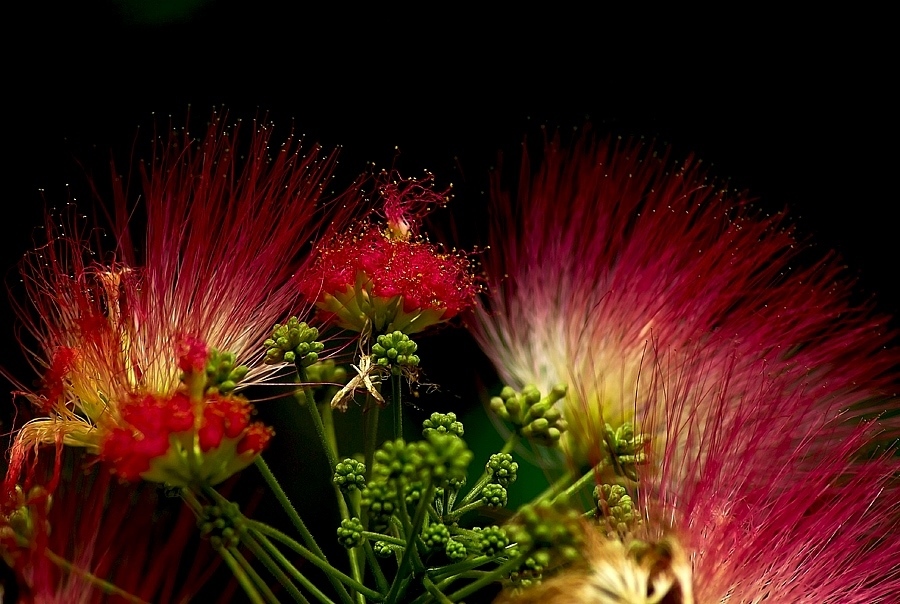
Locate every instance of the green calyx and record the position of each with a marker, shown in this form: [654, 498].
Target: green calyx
[222, 374]
[350, 475]
[535, 417]
[442, 423]
[396, 351]
[294, 342]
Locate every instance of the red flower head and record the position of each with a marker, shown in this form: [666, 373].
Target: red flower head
[385, 278]
[674, 311]
[142, 358]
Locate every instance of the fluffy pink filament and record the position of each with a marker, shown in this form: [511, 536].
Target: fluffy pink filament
[663, 299]
[202, 251]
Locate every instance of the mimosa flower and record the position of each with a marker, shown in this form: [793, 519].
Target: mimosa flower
[612, 265]
[667, 304]
[385, 278]
[142, 358]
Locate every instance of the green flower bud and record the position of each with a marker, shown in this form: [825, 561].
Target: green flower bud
[350, 475]
[446, 458]
[494, 495]
[350, 533]
[395, 350]
[222, 375]
[435, 537]
[491, 540]
[294, 342]
[502, 468]
[535, 418]
[442, 423]
[455, 550]
[380, 502]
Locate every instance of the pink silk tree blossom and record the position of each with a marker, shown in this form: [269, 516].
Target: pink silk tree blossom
[145, 339]
[665, 301]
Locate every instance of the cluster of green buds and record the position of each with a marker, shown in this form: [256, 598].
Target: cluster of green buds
[294, 342]
[350, 533]
[617, 509]
[502, 469]
[219, 523]
[547, 535]
[222, 374]
[535, 417]
[626, 449]
[440, 459]
[442, 423]
[379, 500]
[350, 475]
[395, 351]
[326, 372]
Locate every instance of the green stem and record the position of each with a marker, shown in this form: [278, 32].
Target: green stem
[371, 429]
[287, 506]
[380, 579]
[316, 418]
[295, 519]
[102, 584]
[324, 423]
[251, 572]
[458, 512]
[443, 572]
[248, 539]
[238, 571]
[328, 423]
[501, 571]
[508, 446]
[410, 553]
[190, 499]
[316, 561]
[397, 404]
[510, 443]
[589, 477]
[286, 564]
[434, 591]
[554, 489]
[382, 537]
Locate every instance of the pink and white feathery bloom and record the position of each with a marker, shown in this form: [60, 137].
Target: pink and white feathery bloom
[143, 350]
[611, 260]
[663, 300]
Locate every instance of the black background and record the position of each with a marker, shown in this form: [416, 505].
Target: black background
[797, 109]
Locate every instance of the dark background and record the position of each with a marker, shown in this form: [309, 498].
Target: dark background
[799, 110]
